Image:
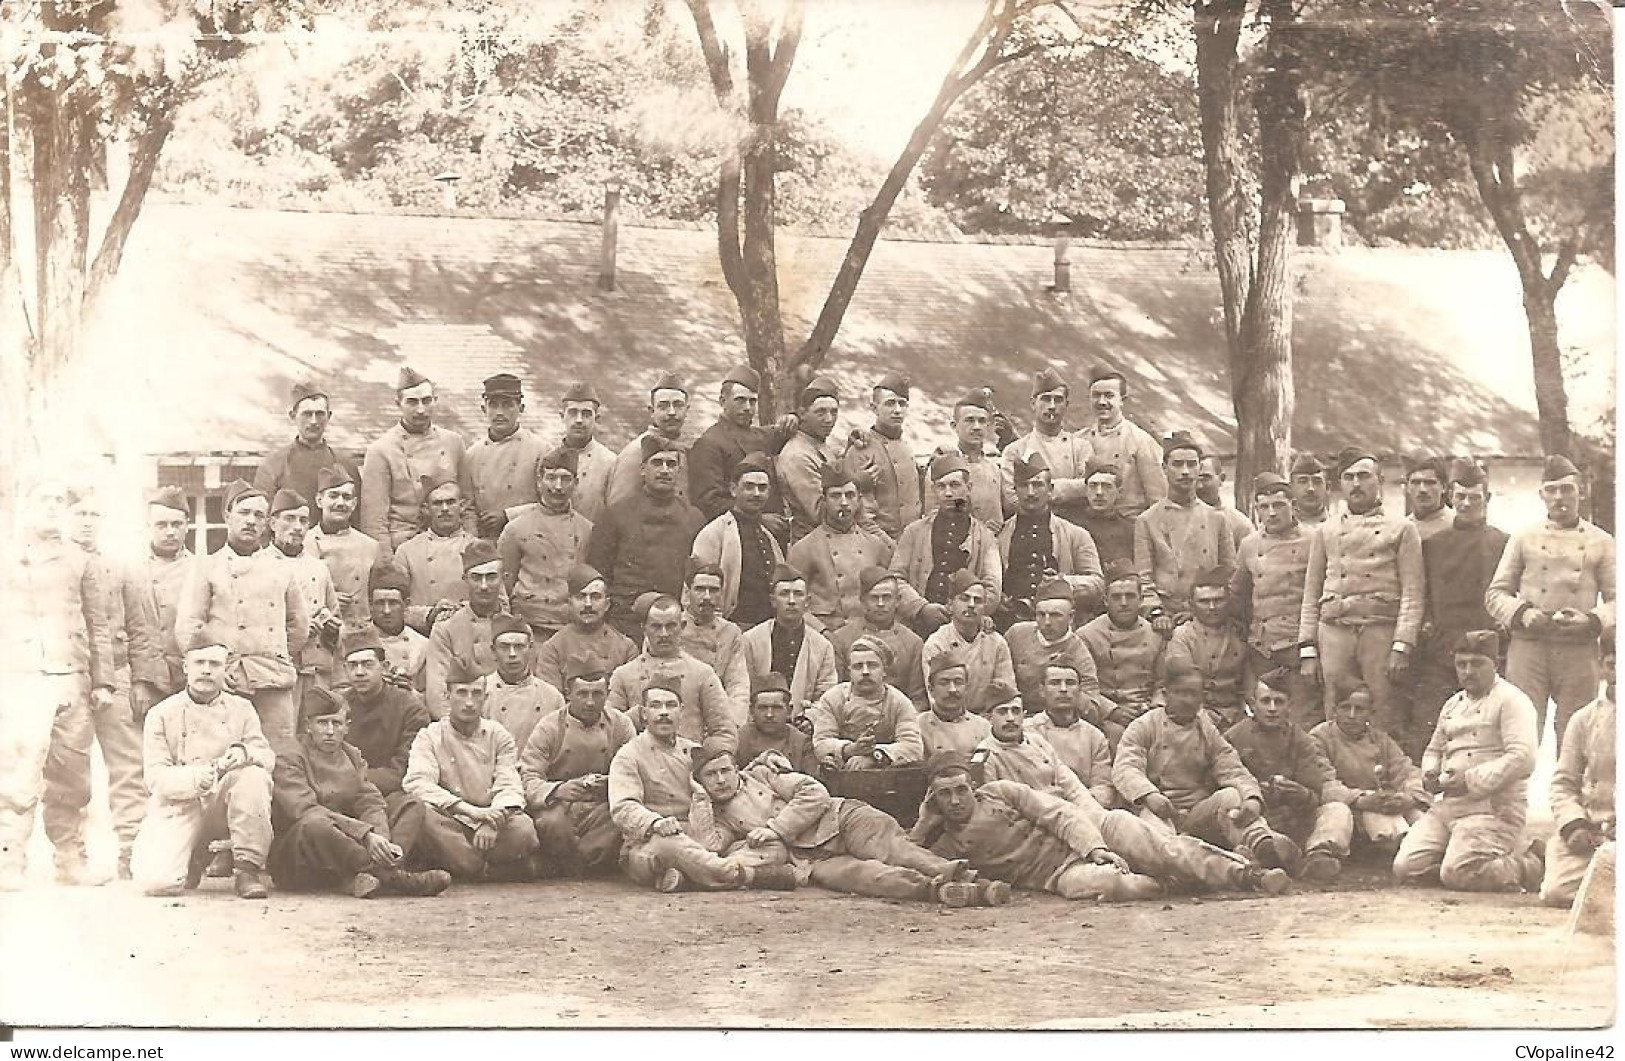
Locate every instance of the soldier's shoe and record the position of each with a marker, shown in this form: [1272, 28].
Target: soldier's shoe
[960, 870]
[364, 885]
[249, 881]
[992, 893]
[1279, 852]
[427, 882]
[76, 873]
[1532, 866]
[124, 866]
[956, 894]
[1321, 866]
[671, 881]
[1267, 881]
[772, 879]
[220, 864]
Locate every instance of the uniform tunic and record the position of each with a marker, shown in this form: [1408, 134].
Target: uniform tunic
[408, 653]
[501, 475]
[800, 465]
[182, 737]
[58, 622]
[1113, 535]
[1289, 752]
[1268, 587]
[311, 783]
[605, 648]
[252, 605]
[960, 735]
[626, 478]
[297, 466]
[1185, 763]
[642, 544]
[1173, 542]
[746, 553]
[382, 730]
[562, 748]
[1583, 783]
[793, 744]
[1218, 655]
[130, 629]
[1355, 760]
[715, 455]
[315, 582]
[161, 584]
[895, 500]
[434, 570]
[648, 781]
[986, 486]
[1081, 748]
[461, 635]
[538, 549]
[1437, 523]
[1035, 764]
[520, 706]
[1067, 492]
[391, 472]
[1551, 567]
[814, 672]
[831, 560]
[1240, 526]
[906, 673]
[841, 716]
[1029, 547]
[1364, 570]
[1490, 743]
[1030, 654]
[481, 769]
[595, 464]
[987, 658]
[917, 561]
[720, 646]
[706, 710]
[349, 556]
[1138, 458]
[1023, 837]
[1127, 662]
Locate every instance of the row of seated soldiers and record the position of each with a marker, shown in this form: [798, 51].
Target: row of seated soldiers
[1178, 805]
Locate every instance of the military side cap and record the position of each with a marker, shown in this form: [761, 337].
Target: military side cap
[1349, 456]
[1557, 467]
[303, 389]
[1432, 462]
[1100, 372]
[459, 672]
[669, 381]
[654, 442]
[1120, 569]
[868, 643]
[1182, 440]
[771, 682]
[428, 484]
[816, 388]
[1025, 469]
[998, 692]
[287, 500]
[832, 475]
[944, 764]
[1046, 380]
[945, 661]
[1213, 576]
[978, 398]
[895, 382]
[754, 462]
[671, 683]
[170, 497]
[318, 701]
[237, 490]
[408, 378]
[503, 385]
[1306, 464]
[479, 553]
[961, 580]
[710, 748]
[1054, 589]
[202, 639]
[644, 602]
[1265, 483]
[695, 567]
[587, 668]
[945, 464]
[783, 572]
[1465, 471]
[331, 477]
[744, 376]
[580, 576]
[1281, 679]
[581, 391]
[503, 623]
[872, 575]
[1094, 466]
[559, 457]
[387, 574]
[1479, 643]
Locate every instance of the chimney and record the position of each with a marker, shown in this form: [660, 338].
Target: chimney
[606, 251]
[1320, 223]
[1060, 227]
[448, 190]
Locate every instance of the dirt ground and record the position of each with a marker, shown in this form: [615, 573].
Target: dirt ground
[607, 954]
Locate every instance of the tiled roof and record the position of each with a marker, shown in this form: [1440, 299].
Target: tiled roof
[217, 311]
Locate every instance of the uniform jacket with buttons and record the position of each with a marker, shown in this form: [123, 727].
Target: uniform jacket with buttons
[841, 717]
[1218, 654]
[1030, 654]
[1173, 542]
[1490, 743]
[1083, 749]
[831, 561]
[1185, 763]
[160, 584]
[815, 668]
[1137, 455]
[1364, 570]
[521, 705]
[563, 748]
[1583, 783]
[1076, 559]
[895, 500]
[800, 465]
[382, 730]
[1019, 835]
[501, 475]
[706, 710]
[721, 647]
[715, 455]
[961, 735]
[1289, 752]
[1067, 485]
[987, 658]
[648, 781]
[308, 783]
[349, 556]
[131, 628]
[718, 542]
[643, 544]
[1126, 661]
[1267, 587]
[481, 769]
[181, 737]
[1551, 567]
[434, 570]
[537, 550]
[626, 478]
[906, 672]
[1035, 764]
[986, 486]
[794, 806]
[58, 620]
[1355, 760]
[252, 605]
[391, 472]
[462, 635]
[913, 559]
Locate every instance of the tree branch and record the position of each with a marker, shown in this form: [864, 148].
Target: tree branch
[149, 147]
[721, 72]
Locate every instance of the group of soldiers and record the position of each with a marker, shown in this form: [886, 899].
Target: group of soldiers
[534, 656]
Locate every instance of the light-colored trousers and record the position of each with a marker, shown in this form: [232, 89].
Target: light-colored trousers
[1350, 655]
[1209, 819]
[447, 843]
[1471, 851]
[37, 711]
[1324, 827]
[1560, 671]
[279, 714]
[1385, 829]
[238, 808]
[1565, 870]
[1156, 855]
[644, 861]
[67, 771]
[871, 855]
[576, 838]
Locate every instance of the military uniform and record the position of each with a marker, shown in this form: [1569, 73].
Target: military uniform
[1356, 762]
[1030, 654]
[720, 646]
[1127, 663]
[1459, 563]
[747, 554]
[986, 655]
[1081, 748]
[800, 466]
[434, 567]
[162, 581]
[391, 472]
[1060, 453]
[604, 647]
[1327, 823]
[520, 705]
[906, 673]
[960, 735]
[841, 717]
[1172, 542]
[1035, 764]
[626, 478]
[714, 456]
[832, 561]
[1032, 547]
[895, 500]
[1267, 589]
[575, 838]
[932, 548]
[642, 544]
[1218, 655]
[706, 710]
[463, 636]
[349, 556]
[1582, 792]
[1138, 458]
[446, 767]
[538, 549]
[813, 673]
[499, 475]
[649, 781]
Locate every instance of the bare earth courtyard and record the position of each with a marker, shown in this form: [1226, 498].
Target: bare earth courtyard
[606, 954]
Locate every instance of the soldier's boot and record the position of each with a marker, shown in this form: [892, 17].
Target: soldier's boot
[671, 881]
[124, 864]
[1266, 881]
[426, 882]
[249, 881]
[76, 873]
[1532, 866]
[956, 894]
[771, 879]
[1321, 866]
[1275, 851]
[364, 885]
[196, 865]
[220, 865]
[992, 893]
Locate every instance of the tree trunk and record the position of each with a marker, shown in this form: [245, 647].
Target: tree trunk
[148, 148]
[61, 193]
[1551, 396]
[1218, 35]
[758, 299]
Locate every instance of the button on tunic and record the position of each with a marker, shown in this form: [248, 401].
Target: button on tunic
[501, 474]
[538, 549]
[394, 466]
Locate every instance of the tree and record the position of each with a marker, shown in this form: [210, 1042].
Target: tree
[751, 91]
[1521, 90]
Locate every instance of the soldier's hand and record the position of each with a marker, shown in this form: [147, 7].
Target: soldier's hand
[1453, 785]
[1398, 663]
[485, 837]
[1309, 670]
[142, 696]
[786, 425]
[1160, 805]
[667, 827]
[1368, 802]
[775, 761]
[575, 790]
[1581, 837]
[1430, 782]
[803, 723]
[101, 698]
[761, 836]
[1290, 791]
[1100, 856]
[381, 851]
[864, 480]
[1247, 813]
[1004, 432]
[856, 438]
[860, 749]
[1536, 620]
[1163, 625]
[1392, 802]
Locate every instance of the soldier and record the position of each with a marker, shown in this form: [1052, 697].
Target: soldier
[741, 544]
[788, 645]
[433, 557]
[972, 416]
[882, 463]
[348, 554]
[164, 572]
[384, 719]
[208, 767]
[1385, 787]
[1362, 595]
[1478, 762]
[290, 525]
[1459, 562]
[864, 723]
[879, 620]
[1210, 488]
[1110, 530]
[1176, 537]
[1267, 589]
[1037, 544]
[720, 448]
[595, 462]
[986, 652]
[706, 710]
[668, 409]
[402, 457]
[565, 769]
[1427, 479]
[296, 466]
[1303, 799]
[1050, 638]
[711, 639]
[1553, 591]
[588, 638]
[500, 470]
[465, 634]
[1010, 753]
[1583, 810]
[835, 553]
[1127, 652]
[405, 650]
[58, 659]
[513, 695]
[332, 827]
[539, 546]
[1078, 744]
[1211, 644]
[769, 728]
[802, 459]
[1050, 440]
[1310, 491]
[465, 769]
[1115, 439]
[645, 538]
[241, 593]
[948, 726]
[1173, 764]
[933, 547]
